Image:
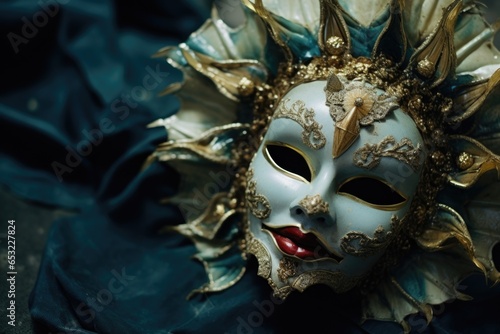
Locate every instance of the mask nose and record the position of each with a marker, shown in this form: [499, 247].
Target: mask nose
[313, 208]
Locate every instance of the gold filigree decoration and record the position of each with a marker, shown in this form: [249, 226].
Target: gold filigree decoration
[258, 204]
[263, 257]
[361, 245]
[313, 205]
[256, 248]
[287, 268]
[338, 281]
[297, 112]
[369, 156]
[352, 105]
[280, 293]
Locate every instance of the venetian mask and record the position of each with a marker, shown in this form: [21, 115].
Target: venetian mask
[323, 215]
[337, 145]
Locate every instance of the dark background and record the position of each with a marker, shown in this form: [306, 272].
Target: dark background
[34, 220]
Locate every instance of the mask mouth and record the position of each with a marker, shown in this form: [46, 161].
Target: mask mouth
[306, 246]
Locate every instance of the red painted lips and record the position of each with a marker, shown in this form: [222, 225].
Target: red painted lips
[292, 241]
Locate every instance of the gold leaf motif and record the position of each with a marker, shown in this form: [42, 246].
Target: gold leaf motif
[369, 156]
[256, 248]
[258, 204]
[449, 227]
[263, 257]
[297, 112]
[361, 245]
[436, 57]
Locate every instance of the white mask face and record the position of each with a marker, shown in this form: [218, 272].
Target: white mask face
[320, 219]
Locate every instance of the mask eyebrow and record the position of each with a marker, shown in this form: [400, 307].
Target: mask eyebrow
[369, 155]
[311, 135]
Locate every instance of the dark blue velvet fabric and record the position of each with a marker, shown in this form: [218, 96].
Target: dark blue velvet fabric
[78, 89]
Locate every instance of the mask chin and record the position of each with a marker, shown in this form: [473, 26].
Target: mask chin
[286, 273]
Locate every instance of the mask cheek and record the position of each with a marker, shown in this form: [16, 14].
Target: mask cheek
[268, 188]
[262, 204]
[365, 236]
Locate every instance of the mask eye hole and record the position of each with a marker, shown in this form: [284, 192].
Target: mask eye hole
[288, 160]
[373, 192]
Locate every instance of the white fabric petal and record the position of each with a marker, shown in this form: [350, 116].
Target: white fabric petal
[303, 12]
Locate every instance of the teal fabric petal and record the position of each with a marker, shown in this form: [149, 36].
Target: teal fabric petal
[300, 40]
[363, 38]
